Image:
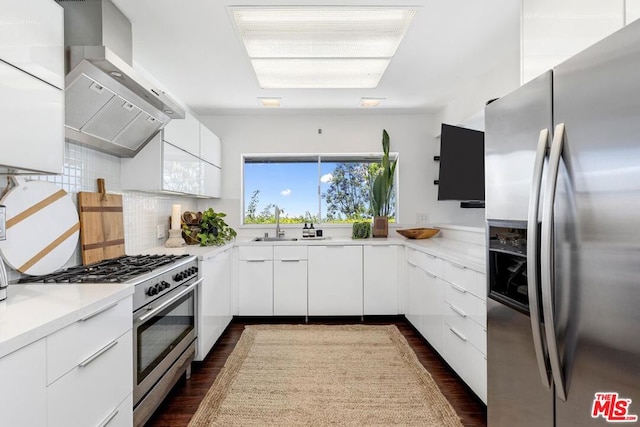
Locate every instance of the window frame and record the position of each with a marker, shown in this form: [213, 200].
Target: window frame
[318, 158]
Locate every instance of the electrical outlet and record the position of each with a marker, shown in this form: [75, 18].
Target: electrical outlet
[160, 234]
[422, 218]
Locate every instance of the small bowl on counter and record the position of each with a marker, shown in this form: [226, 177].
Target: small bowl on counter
[418, 233]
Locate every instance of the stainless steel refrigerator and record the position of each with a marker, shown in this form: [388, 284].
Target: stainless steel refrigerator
[563, 219]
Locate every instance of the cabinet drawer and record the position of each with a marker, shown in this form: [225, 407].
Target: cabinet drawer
[22, 389]
[466, 278]
[467, 361]
[464, 301]
[465, 328]
[289, 253]
[427, 262]
[88, 394]
[255, 253]
[68, 347]
[122, 416]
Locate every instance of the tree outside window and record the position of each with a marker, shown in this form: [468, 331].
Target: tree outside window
[306, 188]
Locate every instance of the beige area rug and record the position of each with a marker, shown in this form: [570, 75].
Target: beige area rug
[318, 375]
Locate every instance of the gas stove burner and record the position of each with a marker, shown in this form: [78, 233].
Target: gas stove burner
[122, 269]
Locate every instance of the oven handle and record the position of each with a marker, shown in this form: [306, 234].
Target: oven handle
[154, 311]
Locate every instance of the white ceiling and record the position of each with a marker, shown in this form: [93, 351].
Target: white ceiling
[191, 48]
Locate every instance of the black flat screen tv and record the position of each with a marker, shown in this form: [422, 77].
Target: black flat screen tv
[461, 165]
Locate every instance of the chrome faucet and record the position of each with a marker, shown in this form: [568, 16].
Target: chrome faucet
[279, 232]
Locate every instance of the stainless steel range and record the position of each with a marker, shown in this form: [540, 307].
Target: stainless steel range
[164, 323]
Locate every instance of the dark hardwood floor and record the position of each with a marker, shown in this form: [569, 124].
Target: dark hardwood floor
[180, 405]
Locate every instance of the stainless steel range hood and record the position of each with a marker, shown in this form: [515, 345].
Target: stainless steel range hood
[108, 106]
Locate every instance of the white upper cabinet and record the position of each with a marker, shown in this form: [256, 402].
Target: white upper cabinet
[31, 78]
[184, 134]
[553, 31]
[32, 38]
[210, 147]
[185, 159]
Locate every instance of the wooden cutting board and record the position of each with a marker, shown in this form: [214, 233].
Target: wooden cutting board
[42, 227]
[101, 225]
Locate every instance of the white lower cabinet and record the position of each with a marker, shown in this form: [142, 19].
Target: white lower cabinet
[425, 297]
[214, 301]
[94, 389]
[432, 311]
[380, 280]
[335, 280]
[446, 304]
[255, 281]
[23, 390]
[469, 362]
[89, 368]
[290, 280]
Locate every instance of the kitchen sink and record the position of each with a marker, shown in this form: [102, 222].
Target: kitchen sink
[274, 239]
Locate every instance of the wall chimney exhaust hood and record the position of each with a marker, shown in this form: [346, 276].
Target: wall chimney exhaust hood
[108, 106]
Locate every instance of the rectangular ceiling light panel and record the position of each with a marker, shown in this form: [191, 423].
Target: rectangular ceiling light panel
[311, 33]
[319, 73]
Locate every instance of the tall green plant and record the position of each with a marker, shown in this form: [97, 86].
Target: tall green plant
[382, 183]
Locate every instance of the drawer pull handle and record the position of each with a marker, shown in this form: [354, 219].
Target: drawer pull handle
[430, 274]
[110, 417]
[460, 266]
[458, 334]
[431, 256]
[458, 311]
[458, 288]
[256, 260]
[101, 310]
[412, 264]
[290, 260]
[97, 354]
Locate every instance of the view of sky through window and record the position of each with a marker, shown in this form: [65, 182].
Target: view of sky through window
[292, 185]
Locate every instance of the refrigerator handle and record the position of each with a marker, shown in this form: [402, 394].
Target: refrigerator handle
[546, 262]
[533, 261]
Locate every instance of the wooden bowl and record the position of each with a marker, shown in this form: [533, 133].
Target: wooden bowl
[418, 233]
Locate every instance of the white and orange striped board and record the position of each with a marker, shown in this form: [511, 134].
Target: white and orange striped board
[42, 227]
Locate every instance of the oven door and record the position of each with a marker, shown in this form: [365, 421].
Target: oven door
[162, 330]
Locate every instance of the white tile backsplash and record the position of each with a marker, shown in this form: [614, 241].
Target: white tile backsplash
[142, 211]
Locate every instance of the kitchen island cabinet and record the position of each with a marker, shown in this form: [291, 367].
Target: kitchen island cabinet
[335, 280]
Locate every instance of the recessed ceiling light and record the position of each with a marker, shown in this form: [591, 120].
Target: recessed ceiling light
[270, 102]
[370, 102]
[318, 46]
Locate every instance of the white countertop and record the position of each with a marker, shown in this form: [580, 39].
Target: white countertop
[32, 312]
[468, 254]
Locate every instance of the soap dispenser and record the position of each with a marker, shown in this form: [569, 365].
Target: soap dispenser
[305, 230]
[312, 231]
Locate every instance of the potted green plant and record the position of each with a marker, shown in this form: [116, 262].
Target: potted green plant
[211, 229]
[361, 230]
[381, 190]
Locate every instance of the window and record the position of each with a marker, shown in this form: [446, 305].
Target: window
[325, 188]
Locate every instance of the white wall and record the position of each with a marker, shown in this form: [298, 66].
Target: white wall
[410, 134]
